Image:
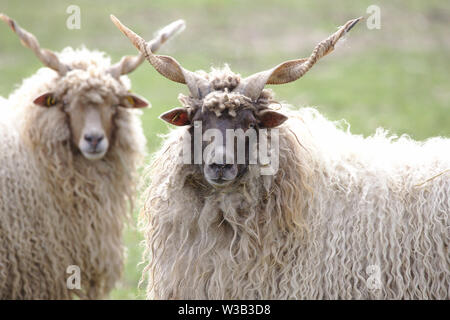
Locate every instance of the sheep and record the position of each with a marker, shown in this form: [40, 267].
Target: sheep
[343, 217]
[70, 144]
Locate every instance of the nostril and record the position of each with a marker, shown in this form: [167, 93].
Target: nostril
[214, 166]
[93, 139]
[221, 166]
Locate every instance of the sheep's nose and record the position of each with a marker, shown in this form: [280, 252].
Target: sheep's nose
[93, 139]
[221, 168]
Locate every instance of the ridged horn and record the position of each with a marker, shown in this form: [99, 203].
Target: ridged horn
[47, 57]
[129, 63]
[166, 65]
[294, 69]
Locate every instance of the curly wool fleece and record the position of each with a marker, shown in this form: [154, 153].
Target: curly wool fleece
[221, 98]
[57, 208]
[345, 217]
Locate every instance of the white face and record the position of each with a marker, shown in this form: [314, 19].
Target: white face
[93, 141]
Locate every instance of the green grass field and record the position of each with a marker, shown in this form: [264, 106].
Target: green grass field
[396, 77]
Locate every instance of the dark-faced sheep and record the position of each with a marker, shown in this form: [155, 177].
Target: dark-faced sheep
[70, 144]
[343, 217]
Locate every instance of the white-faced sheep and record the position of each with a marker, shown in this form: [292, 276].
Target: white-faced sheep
[344, 217]
[70, 145]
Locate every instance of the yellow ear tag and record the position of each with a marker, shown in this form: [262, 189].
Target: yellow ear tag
[50, 101]
[176, 117]
[130, 100]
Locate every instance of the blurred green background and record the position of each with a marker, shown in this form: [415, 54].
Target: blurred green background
[396, 77]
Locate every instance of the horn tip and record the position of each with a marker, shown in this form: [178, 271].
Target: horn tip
[118, 24]
[4, 17]
[173, 28]
[181, 23]
[353, 23]
[114, 19]
[137, 41]
[8, 21]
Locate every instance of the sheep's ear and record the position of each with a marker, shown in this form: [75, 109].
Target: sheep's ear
[46, 100]
[177, 117]
[134, 101]
[270, 118]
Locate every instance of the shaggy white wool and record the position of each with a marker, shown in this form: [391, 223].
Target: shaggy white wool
[340, 208]
[57, 208]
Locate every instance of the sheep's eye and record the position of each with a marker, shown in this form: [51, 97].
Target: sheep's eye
[251, 125]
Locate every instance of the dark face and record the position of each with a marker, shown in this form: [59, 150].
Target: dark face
[229, 141]
[221, 164]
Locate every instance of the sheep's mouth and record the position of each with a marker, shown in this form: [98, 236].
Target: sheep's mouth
[219, 183]
[95, 154]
